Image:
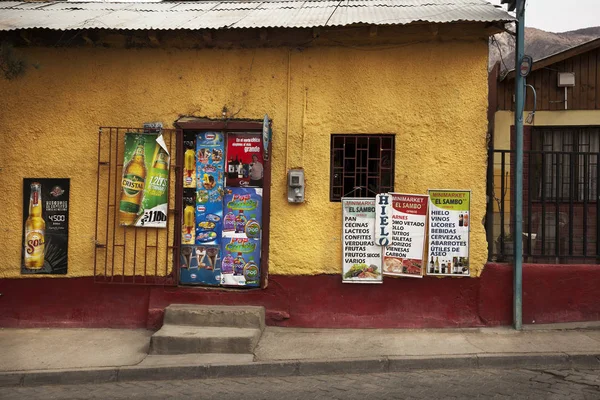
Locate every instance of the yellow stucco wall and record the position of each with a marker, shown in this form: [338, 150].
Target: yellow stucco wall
[433, 100]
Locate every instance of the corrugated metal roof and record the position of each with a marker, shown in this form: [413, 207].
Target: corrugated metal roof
[170, 15]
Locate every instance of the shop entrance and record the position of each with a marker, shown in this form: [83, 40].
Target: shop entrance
[225, 182]
[215, 229]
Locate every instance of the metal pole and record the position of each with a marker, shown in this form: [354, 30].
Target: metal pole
[519, 108]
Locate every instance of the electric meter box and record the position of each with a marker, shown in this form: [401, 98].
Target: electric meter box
[566, 79]
[296, 186]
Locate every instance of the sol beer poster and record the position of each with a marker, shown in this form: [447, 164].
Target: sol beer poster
[361, 261]
[449, 227]
[404, 255]
[45, 226]
[145, 183]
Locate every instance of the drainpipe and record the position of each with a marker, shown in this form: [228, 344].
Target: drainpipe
[519, 108]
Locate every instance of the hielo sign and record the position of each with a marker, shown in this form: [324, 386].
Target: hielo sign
[383, 206]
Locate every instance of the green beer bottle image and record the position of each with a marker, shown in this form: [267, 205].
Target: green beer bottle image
[132, 185]
[158, 180]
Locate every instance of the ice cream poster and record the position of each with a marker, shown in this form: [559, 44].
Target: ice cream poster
[361, 256]
[244, 160]
[209, 182]
[189, 160]
[200, 265]
[404, 255]
[242, 212]
[449, 226]
[241, 262]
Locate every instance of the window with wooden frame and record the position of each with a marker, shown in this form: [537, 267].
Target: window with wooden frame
[361, 165]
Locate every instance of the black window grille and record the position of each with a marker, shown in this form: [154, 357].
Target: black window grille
[565, 168]
[361, 165]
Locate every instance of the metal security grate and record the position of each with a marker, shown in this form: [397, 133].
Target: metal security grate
[361, 165]
[128, 255]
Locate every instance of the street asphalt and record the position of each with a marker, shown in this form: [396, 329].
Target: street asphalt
[538, 384]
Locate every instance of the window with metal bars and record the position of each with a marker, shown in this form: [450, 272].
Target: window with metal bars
[566, 162]
[361, 165]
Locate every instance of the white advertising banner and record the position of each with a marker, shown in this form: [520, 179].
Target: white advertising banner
[449, 227]
[361, 256]
[404, 255]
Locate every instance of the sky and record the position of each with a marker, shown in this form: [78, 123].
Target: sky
[560, 15]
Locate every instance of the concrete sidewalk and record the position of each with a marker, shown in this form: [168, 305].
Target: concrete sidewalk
[42, 356]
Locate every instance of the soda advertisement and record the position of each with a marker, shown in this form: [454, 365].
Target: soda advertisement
[200, 265]
[404, 255]
[145, 181]
[243, 212]
[361, 261]
[244, 160]
[210, 165]
[45, 226]
[449, 227]
[240, 265]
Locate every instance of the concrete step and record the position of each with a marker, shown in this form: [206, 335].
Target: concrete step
[184, 339]
[226, 316]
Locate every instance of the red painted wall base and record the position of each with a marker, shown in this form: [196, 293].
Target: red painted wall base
[552, 293]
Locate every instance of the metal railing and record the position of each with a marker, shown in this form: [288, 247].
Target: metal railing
[561, 211]
[128, 255]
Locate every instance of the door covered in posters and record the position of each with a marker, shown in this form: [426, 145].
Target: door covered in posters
[45, 226]
[222, 208]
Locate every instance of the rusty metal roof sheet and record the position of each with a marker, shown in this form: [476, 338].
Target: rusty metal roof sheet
[192, 15]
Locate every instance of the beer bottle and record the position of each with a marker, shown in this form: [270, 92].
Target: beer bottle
[132, 185]
[35, 227]
[158, 179]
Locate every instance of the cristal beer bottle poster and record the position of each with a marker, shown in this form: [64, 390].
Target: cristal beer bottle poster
[404, 255]
[449, 227]
[245, 165]
[242, 228]
[45, 226]
[361, 259]
[210, 165]
[145, 182]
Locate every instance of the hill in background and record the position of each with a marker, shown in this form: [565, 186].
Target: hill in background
[538, 44]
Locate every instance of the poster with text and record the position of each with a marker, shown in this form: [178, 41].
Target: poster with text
[145, 182]
[404, 255]
[449, 226]
[209, 193]
[361, 261]
[189, 160]
[242, 212]
[244, 160]
[241, 262]
[45, 226]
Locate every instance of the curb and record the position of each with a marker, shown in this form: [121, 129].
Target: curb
[297, 368]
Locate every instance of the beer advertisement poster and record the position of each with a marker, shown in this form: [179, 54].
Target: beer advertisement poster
[244, 160]
[361, 261]
[145, 181]
[404, 255]
[449, 227]
[45, 226]
[210, 165]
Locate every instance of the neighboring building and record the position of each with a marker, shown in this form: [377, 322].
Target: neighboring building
[560, 181]
[402, 83]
